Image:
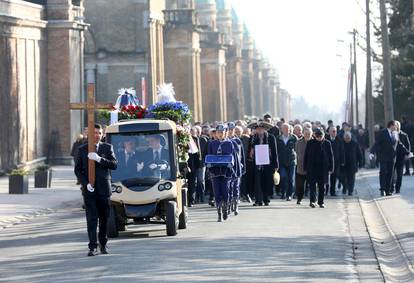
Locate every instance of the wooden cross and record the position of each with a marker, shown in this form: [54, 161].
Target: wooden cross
[91, 106]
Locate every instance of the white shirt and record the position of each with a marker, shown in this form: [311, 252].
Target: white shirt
[285, 139]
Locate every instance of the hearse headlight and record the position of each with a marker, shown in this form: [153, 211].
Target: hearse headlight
[161, 187]
[113, 188]
[119, 189]
[168, 186]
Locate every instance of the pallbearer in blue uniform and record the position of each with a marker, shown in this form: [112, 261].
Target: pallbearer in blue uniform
[238, 169]
[221, 172]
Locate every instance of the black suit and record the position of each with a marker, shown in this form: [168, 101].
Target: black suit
[97, 202]
[339, 160]
[127, 166]
[148, 157]
[403, 149]
[386, 149]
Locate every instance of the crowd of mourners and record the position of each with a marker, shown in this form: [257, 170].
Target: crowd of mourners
[301, 159]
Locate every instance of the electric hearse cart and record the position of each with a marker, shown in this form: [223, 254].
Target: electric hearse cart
[147, 187]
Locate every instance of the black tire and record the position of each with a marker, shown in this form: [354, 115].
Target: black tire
[112, 226]
[184, 211]
[172, 218]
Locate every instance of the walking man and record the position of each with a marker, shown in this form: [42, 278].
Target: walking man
[318, 163]
[96, 196]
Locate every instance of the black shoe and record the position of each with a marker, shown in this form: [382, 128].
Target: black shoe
[383, 193]
[322, 205]
[104, 250]
[397, 191]
[93, 252]
[282, 196]
[288, 198]
[313, 205]
[389, 194]
[266, 203]
[333, 195]
[350, 194]
[298, 202]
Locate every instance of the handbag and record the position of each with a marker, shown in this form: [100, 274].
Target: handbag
[276, 178]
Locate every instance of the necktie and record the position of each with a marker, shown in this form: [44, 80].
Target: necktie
[156, 156]
[127, 158]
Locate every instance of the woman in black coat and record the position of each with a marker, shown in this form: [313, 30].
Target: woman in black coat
[318, 164]
[353, 157]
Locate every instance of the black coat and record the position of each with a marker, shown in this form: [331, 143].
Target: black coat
[267, 171]
[353, 157]
[204, 146]
[403, 148]
[286, 152]
[338, 153]
[384, 147]
[318, 160]
[195, 160]
[102, 169]
[271, 141]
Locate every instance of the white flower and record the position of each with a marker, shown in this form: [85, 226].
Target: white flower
[166, 93]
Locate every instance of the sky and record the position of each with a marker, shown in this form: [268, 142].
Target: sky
[300, 38]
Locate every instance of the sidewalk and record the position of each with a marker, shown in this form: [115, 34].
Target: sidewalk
[19, 208]
[398, 210]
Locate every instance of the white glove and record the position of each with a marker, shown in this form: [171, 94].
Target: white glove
[371, 156]
[163, 167]
[140, 166]
[94, 156]
[152, 166]
[90, 188]
[411, 155]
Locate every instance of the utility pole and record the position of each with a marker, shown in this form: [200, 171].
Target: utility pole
[351, 88]
[354, 32]
[368, 87]
[386, 54]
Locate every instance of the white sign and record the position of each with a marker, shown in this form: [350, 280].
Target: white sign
[261, 154]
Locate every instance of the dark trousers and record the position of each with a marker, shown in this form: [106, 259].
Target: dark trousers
[96, 208]
[321, 191]
[348, 182]
[234, 191]
[247, 181]
[386, 172]
[408, 164]
[300, 186]
[287, 179]
[200, 184]
[399, 169]
[331, 187]
[221, 187]
[191, 179]
[261, 191]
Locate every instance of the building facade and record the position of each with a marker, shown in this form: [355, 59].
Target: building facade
[47, 46]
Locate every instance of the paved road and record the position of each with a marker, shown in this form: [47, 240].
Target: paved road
[279, 243]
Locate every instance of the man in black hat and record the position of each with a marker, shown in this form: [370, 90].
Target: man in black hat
[263, 173]
[318, 164]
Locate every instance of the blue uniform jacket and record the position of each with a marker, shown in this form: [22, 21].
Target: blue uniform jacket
[226, 149]
[239, 158]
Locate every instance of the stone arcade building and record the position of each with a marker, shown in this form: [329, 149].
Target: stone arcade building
[47, 45]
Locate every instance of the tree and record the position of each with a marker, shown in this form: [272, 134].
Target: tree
[401, 35]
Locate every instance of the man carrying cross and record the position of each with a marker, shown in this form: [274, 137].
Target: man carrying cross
[92, 167]
[96, 195]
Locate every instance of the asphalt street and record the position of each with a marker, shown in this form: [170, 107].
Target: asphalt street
[280, 243]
